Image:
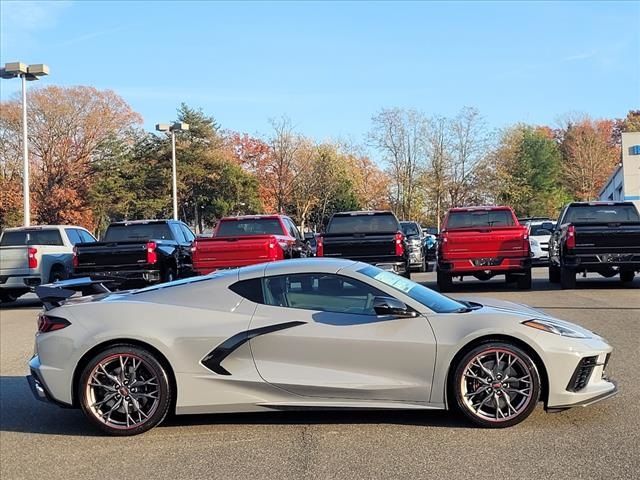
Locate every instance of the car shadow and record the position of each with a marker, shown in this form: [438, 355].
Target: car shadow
[27, 301]
[21, 412]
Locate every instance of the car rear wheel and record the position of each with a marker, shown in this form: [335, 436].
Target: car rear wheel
[124, 391]
[8, 297]
[445, 281]
[57, 274]
[627, 276]
[496, 385]
[567, 278]
[554, 274]
[523, 282]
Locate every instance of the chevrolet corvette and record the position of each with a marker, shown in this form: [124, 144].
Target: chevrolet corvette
[304, 334]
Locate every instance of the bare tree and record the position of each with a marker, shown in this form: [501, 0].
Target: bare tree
[284, 145]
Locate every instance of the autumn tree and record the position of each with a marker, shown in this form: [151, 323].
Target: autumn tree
[278, 170]
[589, 156]
[67, 128]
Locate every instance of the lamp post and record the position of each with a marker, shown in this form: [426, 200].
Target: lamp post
[26, 73]
[165, 127]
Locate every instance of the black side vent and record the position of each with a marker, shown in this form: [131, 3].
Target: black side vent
[581, 375]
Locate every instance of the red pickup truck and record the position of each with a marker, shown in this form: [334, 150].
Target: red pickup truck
[246, 240]
[483, 242]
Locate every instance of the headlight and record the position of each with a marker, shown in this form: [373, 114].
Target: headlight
[553, 327]
[534, 242]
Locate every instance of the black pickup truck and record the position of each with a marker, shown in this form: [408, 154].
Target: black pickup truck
[602, 237]
[373, 237]
[137, 252]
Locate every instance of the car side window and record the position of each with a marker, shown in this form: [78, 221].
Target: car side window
[321, 292]
[293, 230]
[86, 237]
[74, 236]
[177, 232]
[188, 234]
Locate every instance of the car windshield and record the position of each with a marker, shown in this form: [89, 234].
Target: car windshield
[31, 237]
[602, 214]
[410, 229]
[427, 297]
[363, 223]
[480, 218]
[138, 231]
[250, 226]
[541, 230]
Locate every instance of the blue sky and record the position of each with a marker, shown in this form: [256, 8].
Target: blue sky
[331, 66]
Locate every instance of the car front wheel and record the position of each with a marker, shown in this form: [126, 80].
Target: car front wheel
[496, 385]
[125, 390]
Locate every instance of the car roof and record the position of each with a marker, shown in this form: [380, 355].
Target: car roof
[308, 265]
[479, 207]
[252, 217]
[41, 227]
[142, 222]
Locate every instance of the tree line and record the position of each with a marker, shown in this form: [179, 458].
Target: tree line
[92, 163]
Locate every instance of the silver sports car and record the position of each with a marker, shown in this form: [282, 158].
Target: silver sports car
[305, 334]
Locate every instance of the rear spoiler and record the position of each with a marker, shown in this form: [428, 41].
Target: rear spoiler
[54, 294]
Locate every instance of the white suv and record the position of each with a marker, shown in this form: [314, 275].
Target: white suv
[31, 256]
[539, 233]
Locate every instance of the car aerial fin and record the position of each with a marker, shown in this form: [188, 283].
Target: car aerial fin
[54, 294]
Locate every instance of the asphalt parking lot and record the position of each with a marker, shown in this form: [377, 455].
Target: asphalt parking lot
[602, 441]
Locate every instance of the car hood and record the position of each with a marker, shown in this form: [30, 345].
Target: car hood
[523, 312]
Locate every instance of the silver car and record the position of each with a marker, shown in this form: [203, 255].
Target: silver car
[305, 334]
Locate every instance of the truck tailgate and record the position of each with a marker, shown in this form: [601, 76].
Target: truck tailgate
[607, 238]
[359, 245]
[111, 254]
[485, 243]
[13, 260]
[226, 252]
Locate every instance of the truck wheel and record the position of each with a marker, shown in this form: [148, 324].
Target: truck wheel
[554, 274]
[57, 274]
[8, 297]
[445, 282]
[626, 276]
[524, 281]
[169, 275]
[567, 278]
[407, 272]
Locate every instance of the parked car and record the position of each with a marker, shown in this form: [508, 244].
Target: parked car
[416, 243]
[137, 252]
[483, 242]
[316, 334]
[246, 240]
[539, 234]
[312, 240]
[373, 237]
[602, 237]
[31, 256]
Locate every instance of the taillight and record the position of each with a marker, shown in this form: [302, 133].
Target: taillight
[319, 247]
[51, 324]
[399, 244]
[75, 260]
[273, 249]
[33, 261]
[152, 256]
[571, 237]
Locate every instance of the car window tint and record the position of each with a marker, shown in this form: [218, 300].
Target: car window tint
[74, 236]
[250, 289]
[31, 237]
[177, 233]
[321, 292]
[410, 229]
[86, 237]
[364, 223]
[188, 234]
[480, 218]
[139, 231]
[250, 226]
[602, 214]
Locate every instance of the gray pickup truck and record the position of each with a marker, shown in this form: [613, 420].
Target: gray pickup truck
[31, 256]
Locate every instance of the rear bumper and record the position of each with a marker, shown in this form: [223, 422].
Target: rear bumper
[38, 386]
[492, 265]
[629, 261]
[19, 282]
[122, 276]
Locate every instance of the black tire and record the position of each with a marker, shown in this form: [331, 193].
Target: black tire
[155, 398]
[169, 275]
[480, 415]
[627, 276]
[8, 297]
[567, 278]
[511, 278]
[57, 274]
[445, 281]
[523, 282]
[554, 274]
[407, 272]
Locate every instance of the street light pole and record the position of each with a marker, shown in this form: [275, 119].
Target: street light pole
[25, 155]
[31, 72]
[165, 127]
[174, 174]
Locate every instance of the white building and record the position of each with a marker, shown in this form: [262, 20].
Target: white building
[624, 182]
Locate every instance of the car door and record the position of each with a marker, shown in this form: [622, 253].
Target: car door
[323, 339]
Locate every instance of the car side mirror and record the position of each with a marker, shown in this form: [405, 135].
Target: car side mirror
[390, 306]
